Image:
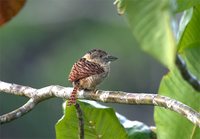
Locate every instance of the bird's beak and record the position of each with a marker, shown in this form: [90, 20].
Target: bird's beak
[111, 58]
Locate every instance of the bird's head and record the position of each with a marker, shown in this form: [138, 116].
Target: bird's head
[99, 56]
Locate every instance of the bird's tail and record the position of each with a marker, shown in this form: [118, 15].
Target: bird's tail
[72, 99]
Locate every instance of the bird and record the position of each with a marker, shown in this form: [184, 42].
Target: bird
[89, 71]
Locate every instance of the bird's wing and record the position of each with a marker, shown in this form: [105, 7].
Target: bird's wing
[84, 68]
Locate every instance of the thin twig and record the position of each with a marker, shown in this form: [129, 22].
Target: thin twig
[186, 74]
[81, 121]
[104, 96]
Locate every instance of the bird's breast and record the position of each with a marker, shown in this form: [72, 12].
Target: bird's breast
[92, 81]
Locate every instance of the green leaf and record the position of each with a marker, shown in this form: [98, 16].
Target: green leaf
[186, 4]
[191, 33]
[103, 118]
[150, 23]
[134, 129]
[140, 131]
[171, 125]
[98, 123]
[185, 19]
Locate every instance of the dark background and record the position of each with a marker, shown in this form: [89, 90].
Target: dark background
[39, 46]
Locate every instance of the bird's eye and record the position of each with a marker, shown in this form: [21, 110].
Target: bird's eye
[101, 56]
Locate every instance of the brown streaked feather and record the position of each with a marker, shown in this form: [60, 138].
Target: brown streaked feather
[72, 99]
[84, 68]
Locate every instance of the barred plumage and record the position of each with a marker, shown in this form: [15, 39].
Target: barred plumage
[84, 68]
[89, 71]
[72, 99]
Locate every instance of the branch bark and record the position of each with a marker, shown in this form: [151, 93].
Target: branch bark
[38, 95]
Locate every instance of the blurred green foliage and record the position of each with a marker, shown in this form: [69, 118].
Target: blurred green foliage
[174, 86]
[150, 22]
[39, 46]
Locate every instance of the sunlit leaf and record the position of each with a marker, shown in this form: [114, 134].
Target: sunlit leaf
[186, 4]
[134, 129]
[150, 23]
[185, 19]
[9, 8]
[170, 124]
[191, 33]
[99, 123]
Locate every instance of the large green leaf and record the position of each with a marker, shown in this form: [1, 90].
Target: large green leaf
[99, 123]
[191, 33]
[171, 125]
[186, 4]
[151, 26]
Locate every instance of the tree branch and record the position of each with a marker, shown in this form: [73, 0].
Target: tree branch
[103, 96]
[186, 74]
[18, 112]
